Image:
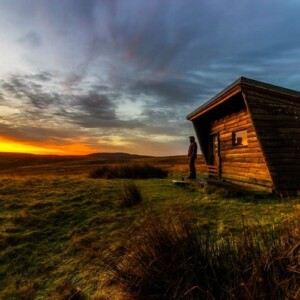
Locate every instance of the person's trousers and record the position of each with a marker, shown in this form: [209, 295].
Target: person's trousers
[192, 168]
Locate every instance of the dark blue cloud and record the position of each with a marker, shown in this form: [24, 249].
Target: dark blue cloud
[166, 57]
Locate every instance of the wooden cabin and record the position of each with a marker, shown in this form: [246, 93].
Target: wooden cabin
[249, 135]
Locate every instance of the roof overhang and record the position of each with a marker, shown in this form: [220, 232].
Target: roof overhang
[217, 100]
[236, 87]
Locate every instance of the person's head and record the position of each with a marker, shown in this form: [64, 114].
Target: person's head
[192, 139]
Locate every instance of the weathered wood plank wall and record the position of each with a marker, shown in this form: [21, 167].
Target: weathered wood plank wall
[244, 165]
[277, 123]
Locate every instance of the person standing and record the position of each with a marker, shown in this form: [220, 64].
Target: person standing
[192, 155]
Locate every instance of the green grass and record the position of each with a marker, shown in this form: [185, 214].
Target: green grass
[54, 231]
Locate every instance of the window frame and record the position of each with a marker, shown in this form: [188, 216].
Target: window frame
[233, 137]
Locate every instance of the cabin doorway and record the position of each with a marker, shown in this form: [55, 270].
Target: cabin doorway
[214, 155]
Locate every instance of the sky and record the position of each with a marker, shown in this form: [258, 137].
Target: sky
[84, 76]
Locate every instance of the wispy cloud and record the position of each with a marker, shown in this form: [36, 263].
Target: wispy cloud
[31, 39]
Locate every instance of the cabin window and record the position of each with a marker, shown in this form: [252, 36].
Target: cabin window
[239, 138]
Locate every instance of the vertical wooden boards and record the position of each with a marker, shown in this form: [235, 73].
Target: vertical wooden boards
[276, 119]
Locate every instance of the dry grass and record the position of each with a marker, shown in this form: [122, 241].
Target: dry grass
[84, 165]
[56, 228]
[132, 195]
[172, 258]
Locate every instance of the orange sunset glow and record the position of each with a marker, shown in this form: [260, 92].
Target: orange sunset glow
[17, 147]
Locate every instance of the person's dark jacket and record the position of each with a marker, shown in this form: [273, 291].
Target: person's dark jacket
[192, 153]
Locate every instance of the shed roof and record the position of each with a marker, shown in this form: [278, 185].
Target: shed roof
[235, 87]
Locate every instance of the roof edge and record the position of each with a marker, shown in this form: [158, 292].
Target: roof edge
[215, 98]
[242, 82]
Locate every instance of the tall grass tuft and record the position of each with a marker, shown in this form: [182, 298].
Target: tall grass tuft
[172, 258]
[66, 291]
[132, 195]
[129, 172]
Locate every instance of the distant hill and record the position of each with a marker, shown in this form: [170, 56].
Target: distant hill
[38, 165]
[15, 160]
[115, 156]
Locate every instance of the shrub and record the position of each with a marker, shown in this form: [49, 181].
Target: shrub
[129, 172]
[132, 195]
[174, 259]
[103, 172]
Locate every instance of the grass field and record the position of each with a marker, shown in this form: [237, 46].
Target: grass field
[57, 225]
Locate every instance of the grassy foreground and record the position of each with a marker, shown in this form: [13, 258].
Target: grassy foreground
[55, 231]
